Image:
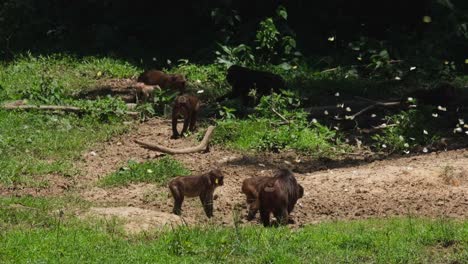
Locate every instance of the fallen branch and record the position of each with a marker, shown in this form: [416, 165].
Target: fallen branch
[391, 103]
[280, 116]
[64, 108]
[203, 146]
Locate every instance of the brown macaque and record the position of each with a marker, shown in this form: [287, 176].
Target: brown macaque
[279, 196]
[144, 93]
[175, 82]
[251, 188]
[185, 106]
[243, 79]
[202, 186]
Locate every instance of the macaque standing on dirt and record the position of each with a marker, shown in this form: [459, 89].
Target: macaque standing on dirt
[186, 106]
[144, 93]
[202, 186]
[279, 196]
[251, 188]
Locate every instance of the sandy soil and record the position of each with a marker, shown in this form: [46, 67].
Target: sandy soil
[431, 185]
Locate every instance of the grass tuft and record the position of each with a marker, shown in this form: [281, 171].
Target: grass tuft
[159, 171]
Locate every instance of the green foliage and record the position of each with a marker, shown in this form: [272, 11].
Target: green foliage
[417, 127]
[271, 46]
[162, 100]
[266, 130]
[105, 110]
[33, 144]
[227, 113]
[404, 240]
[267, 36]
[49, 79]
[208, 81]
[239, 55]
[48, 91]
[281, 107]
[159, 171]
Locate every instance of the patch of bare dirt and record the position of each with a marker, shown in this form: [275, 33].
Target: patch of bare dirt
[136, 219]
[418, 185]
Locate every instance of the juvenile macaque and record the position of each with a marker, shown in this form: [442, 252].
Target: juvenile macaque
[144, 93]
[185, 106]
[202, 186]
[243, 79]
[279, 196]
[251, 188]
[174, 82]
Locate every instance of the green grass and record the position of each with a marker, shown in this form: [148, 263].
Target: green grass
[404, 240]
[34, 144]
[263, 135]
[71, 74]
[37, 212]
[159, 171]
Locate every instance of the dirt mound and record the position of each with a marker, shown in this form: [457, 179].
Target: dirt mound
[136, 219]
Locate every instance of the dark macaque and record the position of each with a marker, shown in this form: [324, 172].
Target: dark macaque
[279, 196]
[202, 186]
[244, 79]
[175, 82]
[144, 93]
[444, 94]
[186, 106]
[251, 188]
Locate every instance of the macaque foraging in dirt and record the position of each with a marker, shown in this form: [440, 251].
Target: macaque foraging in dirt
[174, 82]
[278, 195]
[251, 188]
[185, 106]
[243, 79]
[202, 186]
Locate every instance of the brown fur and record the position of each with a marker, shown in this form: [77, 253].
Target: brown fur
[202, 186]
[144, 93]
[279, 196]
[251, 188]
[186, 106]
[175, 82]
[243, 79]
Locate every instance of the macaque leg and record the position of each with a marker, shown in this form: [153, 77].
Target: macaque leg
[186, 123]
[282, 216]
[253, 208]
[175, 134]
[265, 217]
[207, 201]
[178, 200]
[193, 120]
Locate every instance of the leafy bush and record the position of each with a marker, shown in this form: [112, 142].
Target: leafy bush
[104, 110]
[266, 130]
[47, 91]
[159, 171]
[208, 81]
[406, 130]
[271, 46]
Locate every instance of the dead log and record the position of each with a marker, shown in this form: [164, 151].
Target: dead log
[63, 108]
[203, 146]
